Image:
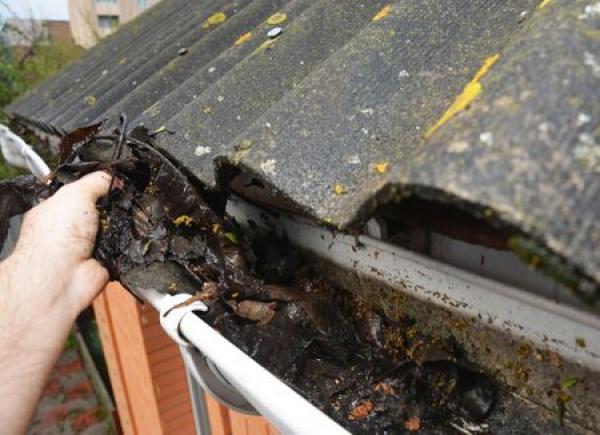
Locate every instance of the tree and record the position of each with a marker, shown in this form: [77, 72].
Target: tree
[20, 70]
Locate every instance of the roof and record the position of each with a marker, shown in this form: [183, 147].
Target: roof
[492, 107]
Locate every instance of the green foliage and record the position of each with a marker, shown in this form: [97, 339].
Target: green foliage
[23, 69]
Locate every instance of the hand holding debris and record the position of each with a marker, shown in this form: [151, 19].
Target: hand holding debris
[48, 279]
[57, 240]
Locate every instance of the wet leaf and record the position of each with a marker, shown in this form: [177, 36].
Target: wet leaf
[183, 220]
[232, 237]
[362, 410]
[413, 424]
[554, 358]
[76, 136]
[569, 383]
[384, 388]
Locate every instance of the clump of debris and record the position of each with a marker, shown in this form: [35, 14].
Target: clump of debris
[369, 373]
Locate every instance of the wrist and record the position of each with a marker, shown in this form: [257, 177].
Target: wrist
[33, 292]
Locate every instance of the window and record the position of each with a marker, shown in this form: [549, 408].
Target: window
[142, 4]
[108, 22]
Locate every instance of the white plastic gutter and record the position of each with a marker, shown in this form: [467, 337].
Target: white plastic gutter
[289, 412]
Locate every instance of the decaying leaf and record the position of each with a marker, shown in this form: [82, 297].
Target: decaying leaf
[413, 424]
[568, 383]
[76, 136]
[384, 388]
[362, 410]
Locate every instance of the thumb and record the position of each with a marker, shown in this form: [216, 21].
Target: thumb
[93, 186]
[88, 281]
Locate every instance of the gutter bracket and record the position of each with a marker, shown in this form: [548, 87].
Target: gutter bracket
[173, 310]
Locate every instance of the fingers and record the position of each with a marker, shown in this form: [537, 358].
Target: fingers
[94, 185]
[89, 279]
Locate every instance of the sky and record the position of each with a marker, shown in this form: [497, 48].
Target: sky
[41, 9]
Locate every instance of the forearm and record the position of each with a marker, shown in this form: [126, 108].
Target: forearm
[32, 334]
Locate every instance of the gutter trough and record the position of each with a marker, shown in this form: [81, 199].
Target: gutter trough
[519, 319]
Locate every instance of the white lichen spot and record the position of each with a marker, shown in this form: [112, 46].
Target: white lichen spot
[459, 146]
[274, 32]
[582, 119]
[544, 127]
[590, 11]
[212, 69]
[365, 131]
[201, 151]
[368, 111]
[403, 74]
[220, 98]
[353, 159]
[268, 124]
[587, 152]
[268, 166]
[487, 138]
[590, 60]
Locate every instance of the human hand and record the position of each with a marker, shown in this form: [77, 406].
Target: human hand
[44, 284]
[52, 265]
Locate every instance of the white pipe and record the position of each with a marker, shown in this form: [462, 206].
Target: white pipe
[17, 153]
[289, 412]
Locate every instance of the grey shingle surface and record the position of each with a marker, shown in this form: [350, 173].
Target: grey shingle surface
[339, 93]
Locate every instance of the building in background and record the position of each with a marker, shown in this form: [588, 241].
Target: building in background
[92, 20]
[22, 32]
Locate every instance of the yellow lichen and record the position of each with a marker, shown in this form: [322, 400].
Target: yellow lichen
[264, 45]
[544, 3]
[339, 189]
[122, 61]
[207, 109]
[90, 100]
[276, 19]
[184, 219]
[469, 93]
[382, 13]
[243, 39]
[214, 20]
[381, 167]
